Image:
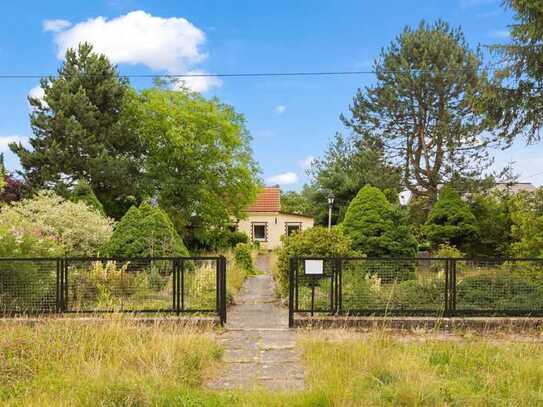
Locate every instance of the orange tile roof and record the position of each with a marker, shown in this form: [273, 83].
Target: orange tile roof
[267, 200]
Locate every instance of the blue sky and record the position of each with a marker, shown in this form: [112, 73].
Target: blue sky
[290, 119]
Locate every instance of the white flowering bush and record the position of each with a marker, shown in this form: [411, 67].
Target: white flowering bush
[74, 227]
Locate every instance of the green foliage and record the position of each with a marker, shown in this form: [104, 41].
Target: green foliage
[143, 232]
[74, 227]
[316, 241]
[428, 83]
[83, 192]
[516, 103]
[376, 227]
[199, 162]
[243, 257]
[85, 128]
[493, 218]
[451, 221]
[527, 228]
[445, 250]
[348, 164]
[295, 202]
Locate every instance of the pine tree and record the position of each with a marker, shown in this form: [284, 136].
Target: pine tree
[84, 128]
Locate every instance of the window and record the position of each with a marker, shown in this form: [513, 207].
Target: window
[293, 228]
[260, 232]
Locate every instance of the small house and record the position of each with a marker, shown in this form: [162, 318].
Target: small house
[266, 223]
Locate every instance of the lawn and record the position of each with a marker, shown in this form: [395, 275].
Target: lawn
[119, 363]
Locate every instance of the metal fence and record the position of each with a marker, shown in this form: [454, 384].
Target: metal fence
[415, 287]
[176, 285]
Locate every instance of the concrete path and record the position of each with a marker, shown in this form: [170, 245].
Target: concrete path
[260, 349]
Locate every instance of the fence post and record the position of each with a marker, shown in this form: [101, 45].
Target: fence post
[291, 270]
[58, 293]
[174, 285]
[447, 278]
[452, 309]
[64, 285]
[224, 289]
[339, 282]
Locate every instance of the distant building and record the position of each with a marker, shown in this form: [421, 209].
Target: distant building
[265, 223]
[515, 187]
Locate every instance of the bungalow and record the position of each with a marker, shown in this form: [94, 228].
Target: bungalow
[266, 223]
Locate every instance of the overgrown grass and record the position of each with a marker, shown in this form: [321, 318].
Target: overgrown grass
[383, 370]
[113, 362]
[119, 363]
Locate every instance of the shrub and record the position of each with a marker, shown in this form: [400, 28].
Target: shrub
[83, 192]
[527, 228]
[499, 291]
[376, 227]
[26, 285]
[74, 227]
[143, 232]
[243, 257]
[316, 241]
[451, 221]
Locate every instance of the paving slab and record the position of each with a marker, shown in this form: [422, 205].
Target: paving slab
[260, 349]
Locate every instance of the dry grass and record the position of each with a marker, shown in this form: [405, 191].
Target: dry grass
[113, 362]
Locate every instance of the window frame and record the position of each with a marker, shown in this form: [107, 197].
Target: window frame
[298, 224]
[254, 238]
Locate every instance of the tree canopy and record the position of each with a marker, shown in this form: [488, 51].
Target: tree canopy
[424, 107]
[83, 129]
[199, 163]
[517, 103]
[348, 164]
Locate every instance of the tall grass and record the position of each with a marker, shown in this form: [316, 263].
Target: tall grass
[113, 362]
[383, 370]
[119, 363]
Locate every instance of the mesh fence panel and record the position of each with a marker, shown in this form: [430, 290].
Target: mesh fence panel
[28, 285]
[392, 286]
[499, 287]
[119, 285]
[199, 278]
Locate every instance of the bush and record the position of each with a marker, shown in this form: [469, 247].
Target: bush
[145, 232]
[243, 257]
[451, 221]
[83, 192]
[74, 227]
[527, 227]
[316, 241]
[376, 227]
[507, 291]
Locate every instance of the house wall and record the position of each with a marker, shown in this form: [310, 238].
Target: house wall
[276, 226]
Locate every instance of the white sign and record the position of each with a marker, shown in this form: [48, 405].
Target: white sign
[314, 267]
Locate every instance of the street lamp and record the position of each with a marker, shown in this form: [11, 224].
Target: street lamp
[330, 205]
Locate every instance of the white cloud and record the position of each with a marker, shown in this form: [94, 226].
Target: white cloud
[37, 93]
[199, 83]
[6, 140]
[56, 25]
[287, 178]
[169, 44]
[306, 162]
[280, 109]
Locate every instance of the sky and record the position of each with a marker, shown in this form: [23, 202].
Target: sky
[291, 119]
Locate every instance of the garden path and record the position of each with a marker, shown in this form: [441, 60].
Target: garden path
[260, 348]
